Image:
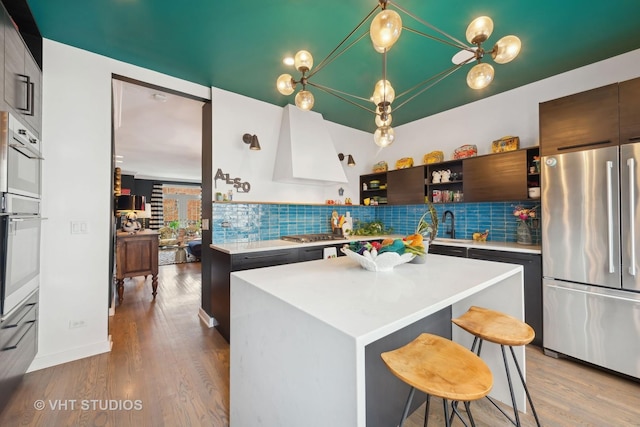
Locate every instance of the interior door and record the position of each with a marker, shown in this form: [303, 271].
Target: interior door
[580, 217]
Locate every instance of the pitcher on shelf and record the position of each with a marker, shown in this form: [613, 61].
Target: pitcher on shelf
[436, 177]
[445, 175]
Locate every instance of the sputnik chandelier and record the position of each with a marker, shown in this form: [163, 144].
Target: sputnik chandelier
[384, 31]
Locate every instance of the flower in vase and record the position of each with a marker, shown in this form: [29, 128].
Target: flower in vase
[524, 214]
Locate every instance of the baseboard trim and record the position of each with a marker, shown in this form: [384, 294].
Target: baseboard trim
[49, 360]
[208, 321]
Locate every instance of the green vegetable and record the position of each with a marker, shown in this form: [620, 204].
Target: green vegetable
[372, 228]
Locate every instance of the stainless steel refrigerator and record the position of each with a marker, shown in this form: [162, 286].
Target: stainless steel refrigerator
[590, 250]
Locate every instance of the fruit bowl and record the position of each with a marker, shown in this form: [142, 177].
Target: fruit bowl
[385, 261]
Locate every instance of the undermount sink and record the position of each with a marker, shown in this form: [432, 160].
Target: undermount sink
[446, 240]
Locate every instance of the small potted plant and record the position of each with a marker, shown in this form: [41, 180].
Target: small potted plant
[428, 231]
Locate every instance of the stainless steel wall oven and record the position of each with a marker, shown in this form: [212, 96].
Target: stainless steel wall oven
[20, 220]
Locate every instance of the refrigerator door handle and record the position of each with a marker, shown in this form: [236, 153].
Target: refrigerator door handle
[612, 268]
[632, 208]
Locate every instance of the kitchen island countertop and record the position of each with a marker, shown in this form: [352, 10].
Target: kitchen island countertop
[299, 332]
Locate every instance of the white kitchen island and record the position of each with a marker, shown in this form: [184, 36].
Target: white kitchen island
[306, 337]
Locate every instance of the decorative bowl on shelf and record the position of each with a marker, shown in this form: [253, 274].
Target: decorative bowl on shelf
[385, 261]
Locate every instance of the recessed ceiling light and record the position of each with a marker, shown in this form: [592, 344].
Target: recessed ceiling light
[288, 60]
[160, 97]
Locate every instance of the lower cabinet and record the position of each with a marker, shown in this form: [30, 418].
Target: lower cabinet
[459, 251]
[223, 264]
[532, 264]
[18, 346]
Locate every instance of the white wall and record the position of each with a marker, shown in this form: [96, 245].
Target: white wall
[76, 135]
[235, 115]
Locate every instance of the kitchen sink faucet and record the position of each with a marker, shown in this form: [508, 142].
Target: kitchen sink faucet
[452, 230]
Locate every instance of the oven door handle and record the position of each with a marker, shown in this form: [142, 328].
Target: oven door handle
[28, 218]
[30, 152]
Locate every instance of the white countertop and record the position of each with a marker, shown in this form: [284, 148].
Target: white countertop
[495, 246]
[368, 305]
[268, 245]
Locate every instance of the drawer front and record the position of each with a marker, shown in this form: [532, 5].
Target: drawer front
[251, 260]
[448, 250]
[18, 345]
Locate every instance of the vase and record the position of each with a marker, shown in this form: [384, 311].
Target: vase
[523, 233]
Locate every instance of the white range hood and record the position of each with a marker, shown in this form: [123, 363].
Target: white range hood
[306, 154]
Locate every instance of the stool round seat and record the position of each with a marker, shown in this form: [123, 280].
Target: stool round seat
[496, 327]
[440, 367]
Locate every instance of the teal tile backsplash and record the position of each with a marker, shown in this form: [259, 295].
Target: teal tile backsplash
[240, 222]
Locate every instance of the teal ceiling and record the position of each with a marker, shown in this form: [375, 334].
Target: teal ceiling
[238, 45]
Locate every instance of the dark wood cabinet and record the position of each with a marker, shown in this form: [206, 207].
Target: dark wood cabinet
[376, 192]
[18, 345]
[496, 177]
[629, 100]
[406, 186]
[581, 121]
[532, 264]
[223, 264]
[136, 255]
[22, 78]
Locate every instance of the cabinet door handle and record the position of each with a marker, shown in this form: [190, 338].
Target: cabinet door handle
[31, 96]
[26, 309]
[632, 213]
[588, 144]
[609, 167]
[17, 343]
[29, 84]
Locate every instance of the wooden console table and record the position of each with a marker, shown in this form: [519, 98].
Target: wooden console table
[136, 255]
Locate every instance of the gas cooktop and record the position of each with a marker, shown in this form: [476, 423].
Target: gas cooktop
[306, 238]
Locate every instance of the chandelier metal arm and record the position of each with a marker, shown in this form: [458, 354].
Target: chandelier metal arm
[365, 19]
[439, 77]
[425, 23]
[328, 60]
[443, 41]
[338, 94]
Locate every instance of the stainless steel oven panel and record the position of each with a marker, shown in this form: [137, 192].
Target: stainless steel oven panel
[18, 205]
[20, 158]
[22, 258]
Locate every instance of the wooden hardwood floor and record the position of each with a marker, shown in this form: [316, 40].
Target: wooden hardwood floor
[166, 369]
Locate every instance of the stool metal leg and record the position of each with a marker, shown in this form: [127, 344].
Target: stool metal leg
[405, 412]
[524, 384]
[426, 410]
[513, 397]
[445, 403]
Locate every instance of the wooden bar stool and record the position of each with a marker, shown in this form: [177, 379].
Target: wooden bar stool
[505, 330]
[442, 368]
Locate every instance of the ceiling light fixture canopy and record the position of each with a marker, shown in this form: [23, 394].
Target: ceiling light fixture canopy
[384, 31]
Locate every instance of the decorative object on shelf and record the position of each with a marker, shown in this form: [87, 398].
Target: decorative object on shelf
[480, 237]
[433, 157]
[128, 207]
[384, 30]
[534, 192]
[523, 230]
[252, 140]
[445, 175]
[506, 143]
[465, 151]
[381, 166]
[436, 176]
[536, 163]
[405, 162]
[374, 184]
[350, 161]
